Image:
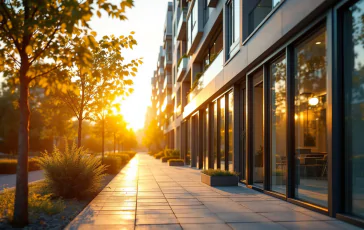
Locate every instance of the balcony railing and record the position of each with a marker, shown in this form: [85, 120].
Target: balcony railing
[182, 68]
[168, 60]
[167, 82]
[214, 69]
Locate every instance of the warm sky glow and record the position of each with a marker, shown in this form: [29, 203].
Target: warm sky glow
[147, 20]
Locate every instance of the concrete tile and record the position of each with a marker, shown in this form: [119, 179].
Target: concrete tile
[100, 227]
[202, 220]
[205, 227]
[316, 215]
[155, 211]
[218, 207]
[317, 225]
[287, 216]
[157, 221]
[343, 225]
[264, 206]
[155, 216]
[256, 226]
[242, 217]
[159, 227]
[158, 207]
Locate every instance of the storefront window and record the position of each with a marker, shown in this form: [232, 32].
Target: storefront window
[205, 138]
[215, 136]
[222, 133]
[258, 150]
[354, 108]
[230, 130]
[278, 125]
[310, 120]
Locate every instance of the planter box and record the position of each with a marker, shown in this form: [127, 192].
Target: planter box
[166, 160]
[175, 163]
[219, 180]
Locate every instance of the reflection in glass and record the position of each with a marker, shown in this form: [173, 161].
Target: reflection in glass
[222, 133]
[205, 138]
[258, 150]
[354, 108]
[310, 120]
[188, 152]
[230, 128]
[215, 136]
[278, 125]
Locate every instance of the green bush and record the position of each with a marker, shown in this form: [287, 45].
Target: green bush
[165, 159]
[72, 173]
[123, 157]
[219, 172]
[113, 164]
[8, 166]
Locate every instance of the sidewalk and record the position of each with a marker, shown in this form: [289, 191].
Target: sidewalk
[148, 194]
[9, 180]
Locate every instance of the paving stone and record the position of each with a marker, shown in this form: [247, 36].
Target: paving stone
[257, 226]
[205, 227]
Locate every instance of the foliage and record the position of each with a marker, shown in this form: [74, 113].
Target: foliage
[8, 166]
[176, 160]
[219, 172]
[159, 155]
[41, 201]
[171, 152]
[180, 59]
[153, 136]
[72, 173]
[113, 164]
[165, 159]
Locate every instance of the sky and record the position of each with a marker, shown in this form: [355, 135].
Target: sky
[147, 19]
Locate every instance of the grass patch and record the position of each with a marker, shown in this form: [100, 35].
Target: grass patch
[219, 172]
[41, 201]
[176, 160]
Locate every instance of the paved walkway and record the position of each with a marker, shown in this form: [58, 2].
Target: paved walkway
[9, 180]
[148, 194]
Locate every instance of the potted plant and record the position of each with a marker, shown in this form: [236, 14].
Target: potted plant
[176, 162]
[218, 177]
[258, 165]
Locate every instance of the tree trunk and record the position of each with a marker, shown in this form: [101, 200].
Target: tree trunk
[79, 137]
[114, 142]
[103, 139]
[20, 218]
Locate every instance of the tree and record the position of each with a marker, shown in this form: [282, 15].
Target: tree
[115, 127]
[34, 41]
[115, 77]
[153, 136]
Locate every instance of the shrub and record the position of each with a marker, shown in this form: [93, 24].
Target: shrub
[176, 160]
[219, 172]
[159, 155]
[8, 166]
[72, 173]
[122, 156]
[165, 159]
[113, 164]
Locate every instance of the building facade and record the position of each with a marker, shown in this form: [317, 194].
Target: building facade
[274, 90]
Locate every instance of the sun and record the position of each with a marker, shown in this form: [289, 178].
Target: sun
[133, 110]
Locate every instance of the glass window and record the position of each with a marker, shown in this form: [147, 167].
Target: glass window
[230, 130]
[205, 12]
[213, 50]
[222, 133]
[258, 150]
[259, 12]
[194, 15]
[233, 8]
[188, 152]
[354, 108]
[205, 138]
[215, 136]
[310, 120]
[278, 125]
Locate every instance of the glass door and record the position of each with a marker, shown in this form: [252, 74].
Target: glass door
[257, 125]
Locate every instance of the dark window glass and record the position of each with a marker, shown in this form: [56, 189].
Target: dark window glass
[310, 120]
[278, 125]
[215, 136]
[205, 12]
[259, 12]
[205, 138]
[354, 108]
[233, 10]
[188, 152]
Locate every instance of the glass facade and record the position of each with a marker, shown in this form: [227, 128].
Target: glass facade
[258, 150]
[214, 151]
[354, 108]
[205, 119]
[230, 131]
[260, 11]
[233, 23]
[311, 154]
[222, 133]
[278, 132]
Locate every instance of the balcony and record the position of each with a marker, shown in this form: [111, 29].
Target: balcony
[178, 110]
[166, 103]
[182, 66]
[168, 60]
[182, 25]
[210, 73]
[160, 73]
